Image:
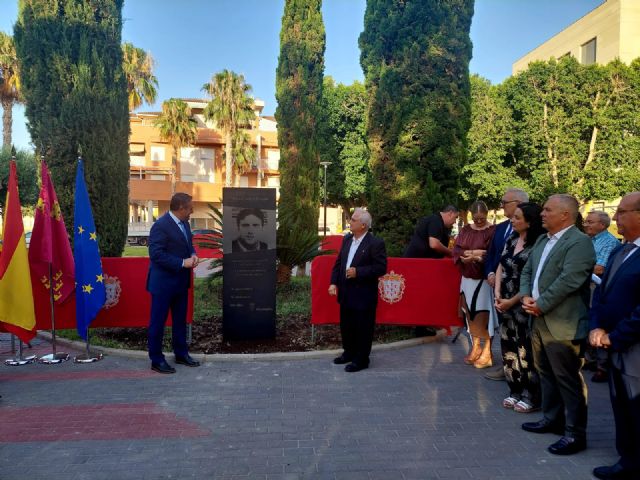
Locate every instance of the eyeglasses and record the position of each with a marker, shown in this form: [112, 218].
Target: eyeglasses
[506, 202]
[620, 211]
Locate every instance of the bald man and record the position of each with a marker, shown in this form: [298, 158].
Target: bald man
[554, 287]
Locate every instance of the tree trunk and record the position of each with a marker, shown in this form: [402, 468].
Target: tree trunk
[174, 168]
[283, 274]
[7, 118]
[228, 161]
[553, 161]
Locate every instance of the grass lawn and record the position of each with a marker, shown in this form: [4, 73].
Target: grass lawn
[135, 251]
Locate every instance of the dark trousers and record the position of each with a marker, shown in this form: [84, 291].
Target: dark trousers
[564, 393]
[625, 400]
[175, 302]
[356, 328]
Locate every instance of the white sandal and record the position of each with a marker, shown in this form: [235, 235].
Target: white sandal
[524, 406]
[510, 402]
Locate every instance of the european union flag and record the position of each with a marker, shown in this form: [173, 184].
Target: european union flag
[90, 291]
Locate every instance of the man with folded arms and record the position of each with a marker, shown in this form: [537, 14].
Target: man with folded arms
[554, 287]
[615, 323]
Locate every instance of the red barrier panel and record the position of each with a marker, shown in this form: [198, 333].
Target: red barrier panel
[331, 242]
[128, 302]
[414, 291]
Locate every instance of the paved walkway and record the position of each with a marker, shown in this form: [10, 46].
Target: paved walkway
[417, 413]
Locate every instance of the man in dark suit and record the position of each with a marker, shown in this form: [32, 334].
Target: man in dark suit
[615, 323]
[172, 257]
[554, 286]
[509, 203]
[354, 279]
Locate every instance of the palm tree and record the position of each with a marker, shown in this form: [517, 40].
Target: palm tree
[9, 84]
[178, 128]
[138, 69]
[231, 108]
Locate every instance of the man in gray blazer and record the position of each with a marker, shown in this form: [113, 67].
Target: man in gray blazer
[555, 290]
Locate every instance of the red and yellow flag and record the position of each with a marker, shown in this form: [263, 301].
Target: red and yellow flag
[50, 244]
[16, 298]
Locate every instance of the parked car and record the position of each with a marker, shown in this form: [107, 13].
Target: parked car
[27, 237]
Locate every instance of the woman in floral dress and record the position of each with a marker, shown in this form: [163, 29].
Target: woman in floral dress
[515, 328]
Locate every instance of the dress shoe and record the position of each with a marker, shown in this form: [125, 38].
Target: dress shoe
[615, 472]
[188, 361]
[341, 360]
[495, 374]
[600, 376]
[162, 367]
[354, 367]
[568, 446]
[543, 426]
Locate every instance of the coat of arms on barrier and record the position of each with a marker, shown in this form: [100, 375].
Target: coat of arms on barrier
[112, 290]
[391, 287]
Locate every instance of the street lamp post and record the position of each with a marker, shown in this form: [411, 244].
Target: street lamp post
[325, 165]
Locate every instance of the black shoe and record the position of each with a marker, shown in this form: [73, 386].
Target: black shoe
[615, 472]
[600, 376]
[162, 367]
[568, 446]
[543, 426]
[187, 360]
[354, 367]
[341, 360]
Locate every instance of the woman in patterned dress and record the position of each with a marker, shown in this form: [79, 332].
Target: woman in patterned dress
[515, 328]
[475, 294]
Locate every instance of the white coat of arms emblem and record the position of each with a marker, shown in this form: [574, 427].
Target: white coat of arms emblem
[112, 290]
[391, 287]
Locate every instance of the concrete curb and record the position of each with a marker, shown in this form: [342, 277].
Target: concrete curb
[245, 357]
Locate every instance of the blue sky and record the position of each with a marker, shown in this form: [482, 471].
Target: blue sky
[193, 39]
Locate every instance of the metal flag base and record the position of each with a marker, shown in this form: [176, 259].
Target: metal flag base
[17, 362]
[52, 358]
[85, 358]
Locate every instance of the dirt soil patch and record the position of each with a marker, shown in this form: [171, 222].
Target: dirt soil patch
[293, 334]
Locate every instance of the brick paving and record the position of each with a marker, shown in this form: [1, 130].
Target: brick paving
[417, 413]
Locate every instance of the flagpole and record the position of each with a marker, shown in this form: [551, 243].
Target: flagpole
[20, 360]
[53, 357]
[88, 357]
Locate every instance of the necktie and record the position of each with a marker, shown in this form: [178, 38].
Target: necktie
[508, 231]
[184, 231]
[617, 261]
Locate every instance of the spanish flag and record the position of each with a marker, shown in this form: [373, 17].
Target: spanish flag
[17, 314]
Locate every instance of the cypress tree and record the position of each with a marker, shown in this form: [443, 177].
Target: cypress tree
[415, 55]
[299, 93]
[76, 98]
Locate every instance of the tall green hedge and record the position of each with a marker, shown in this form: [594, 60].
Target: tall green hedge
[299, 93]
[415, 56]
[76, 97]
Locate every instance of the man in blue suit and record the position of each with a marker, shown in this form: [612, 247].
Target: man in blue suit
[172, 257]
[354, 279]
[510, 200]
[615, 325]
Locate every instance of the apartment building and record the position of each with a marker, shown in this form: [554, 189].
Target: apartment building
[607, 32]
[200, 167]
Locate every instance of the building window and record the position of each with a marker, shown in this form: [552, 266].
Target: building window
[157, 154]
[588, 52]
[196, 164]
[273, 159]
[136, 160]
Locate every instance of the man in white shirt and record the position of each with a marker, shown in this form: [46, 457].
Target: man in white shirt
[554, 287]
[354, 279]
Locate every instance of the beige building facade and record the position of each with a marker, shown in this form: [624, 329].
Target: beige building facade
[609, 31]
